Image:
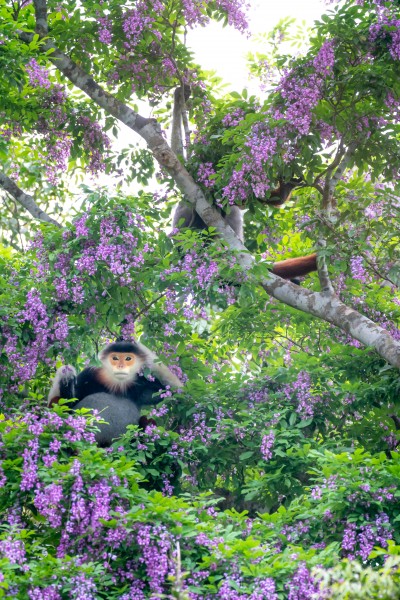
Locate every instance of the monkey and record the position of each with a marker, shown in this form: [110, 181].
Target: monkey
[291, 268]
[185, 214]
[115, 389]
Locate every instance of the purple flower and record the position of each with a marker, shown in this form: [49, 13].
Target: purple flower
[38, 76]
[13, 549]
[357, 269]
[267, 444]
[302, 586]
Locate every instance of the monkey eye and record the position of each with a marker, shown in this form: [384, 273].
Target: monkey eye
[115, 358]
[128, 358]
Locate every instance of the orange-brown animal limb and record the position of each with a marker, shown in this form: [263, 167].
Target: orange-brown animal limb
[295, 267]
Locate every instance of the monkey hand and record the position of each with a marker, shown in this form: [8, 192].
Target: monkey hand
[158, 369]
[64, 384]
[150, 356]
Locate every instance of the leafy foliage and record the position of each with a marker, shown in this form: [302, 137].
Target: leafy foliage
[274, 474]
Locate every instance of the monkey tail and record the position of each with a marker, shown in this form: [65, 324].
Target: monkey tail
[295, 267]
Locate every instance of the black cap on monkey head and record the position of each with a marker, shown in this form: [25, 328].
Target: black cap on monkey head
[122, 346]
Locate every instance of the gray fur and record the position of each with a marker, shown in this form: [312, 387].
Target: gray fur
[119, 412]
[186, 213]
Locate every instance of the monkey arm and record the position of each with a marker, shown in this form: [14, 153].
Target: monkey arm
[181, 96]
[88, 382]
[144, 391]
[63, 386]
[159, 370]
[165, 376]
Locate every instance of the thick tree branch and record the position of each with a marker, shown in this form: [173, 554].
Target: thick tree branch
[328, 308]
[25, 200]
[87, 84]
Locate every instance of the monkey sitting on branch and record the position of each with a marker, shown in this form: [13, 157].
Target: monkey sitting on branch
[115, 389]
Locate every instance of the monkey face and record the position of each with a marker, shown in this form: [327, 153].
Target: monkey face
[124, 365]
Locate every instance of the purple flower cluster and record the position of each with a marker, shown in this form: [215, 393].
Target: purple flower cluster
[200, 274]
[302, 585]
[205, 174]
[357, 269]
[59, 146]
[105, 30]
[83, 588]
[232, 119]
[199, 431]
[267, 444]
[388, 26]
[51, 126]
[155, 544]
[38, 76]
[296, 532]
[47, 593]
[95, 143]
[235, 10]
[261, 145]
[45, 332]
[360, 540]
[300, 91]
[264, 589]
[301, 390]
[137, 21]
[13, 549]
[47, 500]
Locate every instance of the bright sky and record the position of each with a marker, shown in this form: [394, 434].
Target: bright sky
[224, 49]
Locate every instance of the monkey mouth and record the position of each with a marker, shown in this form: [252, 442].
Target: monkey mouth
[121, 375]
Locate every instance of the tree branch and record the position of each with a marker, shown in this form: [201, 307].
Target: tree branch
[25, 200]
[330, 308]
[341, 167]
[323, 274]
[333, 175]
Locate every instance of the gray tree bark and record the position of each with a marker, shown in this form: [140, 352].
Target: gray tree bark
[325, 306]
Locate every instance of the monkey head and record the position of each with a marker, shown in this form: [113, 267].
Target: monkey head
[122, 361]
